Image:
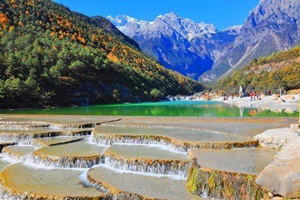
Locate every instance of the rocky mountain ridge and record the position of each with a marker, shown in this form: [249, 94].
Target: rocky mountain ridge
[200, 51]
[178, 43]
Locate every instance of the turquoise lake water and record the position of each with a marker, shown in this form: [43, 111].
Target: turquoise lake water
[171, 108]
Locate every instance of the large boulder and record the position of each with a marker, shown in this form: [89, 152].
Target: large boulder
[274, 96]
[276, 138]
[288, 98]
[282, 176]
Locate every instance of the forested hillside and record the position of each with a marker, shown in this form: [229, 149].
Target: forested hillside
[50, 56]
[280, 70]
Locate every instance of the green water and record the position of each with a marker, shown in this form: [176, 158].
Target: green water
[175, 108]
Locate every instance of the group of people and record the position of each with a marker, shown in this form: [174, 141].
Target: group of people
[254, 95]
[257, 95]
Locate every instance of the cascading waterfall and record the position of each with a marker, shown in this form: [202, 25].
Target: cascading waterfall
[78, 133]
[145, 140]
[26, 139]
[164, 167]
[21, 126]
[72, 126]
[13, 157]
[6, 193]
[173, 144]
[66, 162]
[204, 182]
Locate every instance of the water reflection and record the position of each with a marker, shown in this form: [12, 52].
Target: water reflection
[175, 108]
[241, 112]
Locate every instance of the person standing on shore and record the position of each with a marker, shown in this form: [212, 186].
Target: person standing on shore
[241, 92]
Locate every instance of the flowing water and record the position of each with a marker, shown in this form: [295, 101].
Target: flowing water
[65, 160]
[172, 108]
[79, 154]
[146, 159]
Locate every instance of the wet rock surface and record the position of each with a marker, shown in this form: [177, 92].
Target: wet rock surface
[228, 174]
[18, 151]
[51, 141]
[179, 139]
[137, 186]
[245, 127]
[19, 180]
[241, 160]
[75, 157]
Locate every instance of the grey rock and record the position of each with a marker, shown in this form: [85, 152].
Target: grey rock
[200, 51]
[179, 44]
[282, 176]
[276, 138]
[272, 26]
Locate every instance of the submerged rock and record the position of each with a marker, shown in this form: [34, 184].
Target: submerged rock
[18, 152]
[132, 186]
[24, 182]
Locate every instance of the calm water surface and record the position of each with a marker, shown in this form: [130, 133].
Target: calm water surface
[174, 108]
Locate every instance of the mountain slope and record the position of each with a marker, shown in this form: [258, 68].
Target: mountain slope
[196, 48]
[104, 23]
[50, 56]
[177, 43]
[277, 71]
[272, 26]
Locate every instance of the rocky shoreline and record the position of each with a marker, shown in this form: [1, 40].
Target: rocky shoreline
[287, 102]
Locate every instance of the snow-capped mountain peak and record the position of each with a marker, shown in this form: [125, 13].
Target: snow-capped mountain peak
[193, 48]
[233, 30]
[121, 20]
[163, 24]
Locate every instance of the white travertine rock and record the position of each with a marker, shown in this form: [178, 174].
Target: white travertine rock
[276, 138]
[282, 176]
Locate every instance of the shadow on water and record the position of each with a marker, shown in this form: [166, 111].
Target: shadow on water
[174, 108]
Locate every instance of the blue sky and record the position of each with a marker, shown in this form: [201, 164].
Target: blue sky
[221, 13]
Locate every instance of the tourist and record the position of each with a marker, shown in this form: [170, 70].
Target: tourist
[241, 92]
[252, 112]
